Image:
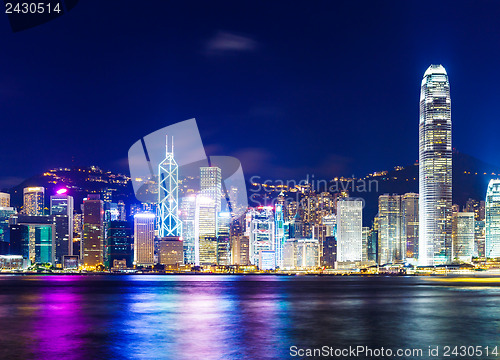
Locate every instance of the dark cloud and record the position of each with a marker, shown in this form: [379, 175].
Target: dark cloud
[226, 43]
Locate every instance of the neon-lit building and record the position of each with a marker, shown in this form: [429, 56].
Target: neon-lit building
[435, 168]
[279, 236]
[492, 220]
[168, 195]
[35, 235]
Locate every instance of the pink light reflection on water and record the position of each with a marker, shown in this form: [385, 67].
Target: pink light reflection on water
[58, 324]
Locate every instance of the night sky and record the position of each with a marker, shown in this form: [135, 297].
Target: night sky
[320, 87]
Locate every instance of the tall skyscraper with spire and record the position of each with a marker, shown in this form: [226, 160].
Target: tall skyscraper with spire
[435, 168]
[168, 195]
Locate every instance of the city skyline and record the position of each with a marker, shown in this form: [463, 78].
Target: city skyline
[319, 229]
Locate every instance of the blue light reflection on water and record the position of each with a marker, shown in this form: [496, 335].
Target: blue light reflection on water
[235, 317]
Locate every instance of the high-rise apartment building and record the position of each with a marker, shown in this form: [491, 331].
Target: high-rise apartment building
[435, 168]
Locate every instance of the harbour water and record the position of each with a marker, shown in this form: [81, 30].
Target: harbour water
[240, 317]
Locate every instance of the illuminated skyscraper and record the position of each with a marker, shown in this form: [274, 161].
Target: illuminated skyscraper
[240, 246]
[279, 236]
[144, 234]
[77, 234]
[211, 185]
[223, 238]
[492, 220]
[118, 244]
[188, 213]
[435, 168]
[462, 236]
[389, 216]
[61, 208]
[409, 226]
[205, 231]
[37, 237]
[479, 238]
[93, 231]
[33, 203]
[168, 193]
[5, 214]
[260, 228]
[349, 230]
